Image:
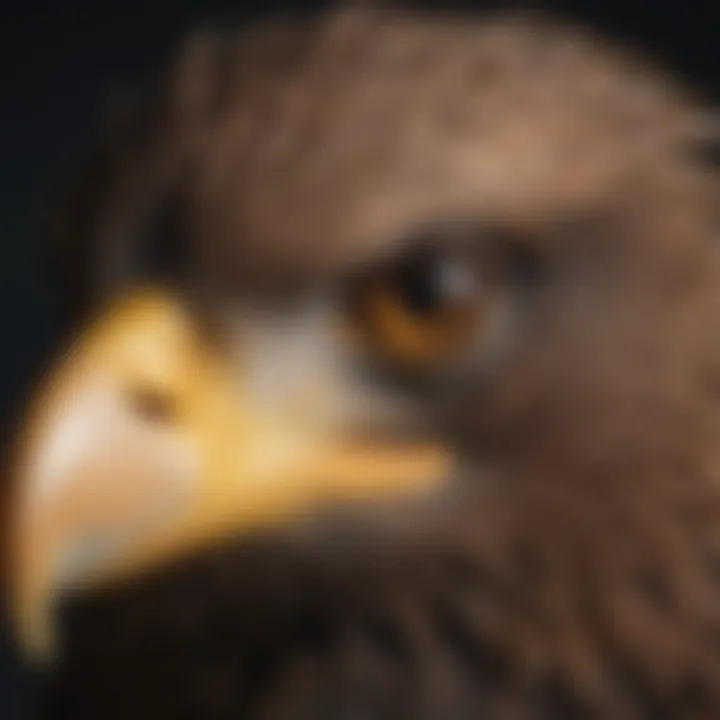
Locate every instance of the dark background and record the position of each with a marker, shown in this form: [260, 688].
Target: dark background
[60, 58]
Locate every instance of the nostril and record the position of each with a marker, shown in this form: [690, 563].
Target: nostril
[153, 405]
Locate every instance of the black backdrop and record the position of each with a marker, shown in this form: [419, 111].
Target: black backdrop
[59, 56]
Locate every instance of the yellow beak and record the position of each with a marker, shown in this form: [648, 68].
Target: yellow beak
[142, 445]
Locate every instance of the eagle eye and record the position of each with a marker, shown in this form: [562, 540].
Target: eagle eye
[421, 309]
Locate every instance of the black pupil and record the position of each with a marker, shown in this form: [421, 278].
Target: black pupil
[420, 283]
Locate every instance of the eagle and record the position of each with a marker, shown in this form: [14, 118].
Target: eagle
[395, 390]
